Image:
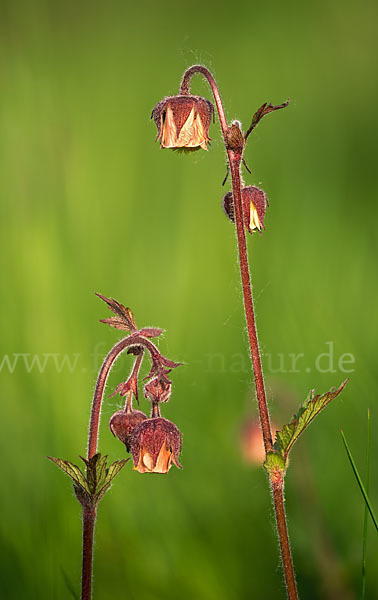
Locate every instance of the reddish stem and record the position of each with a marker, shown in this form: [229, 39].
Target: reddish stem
[248, 303]
[235, 158]
[89, 513]
[287, 561]
[89, 519]
[135, 339]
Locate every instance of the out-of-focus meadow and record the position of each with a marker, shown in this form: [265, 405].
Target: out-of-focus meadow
[90, 203]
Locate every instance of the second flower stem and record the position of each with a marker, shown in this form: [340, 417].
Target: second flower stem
[248, 303]
[235, 159]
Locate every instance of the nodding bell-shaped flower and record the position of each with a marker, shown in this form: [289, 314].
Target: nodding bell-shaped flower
[122, 423]
[155, 446]
[254, 202]
[183, 121]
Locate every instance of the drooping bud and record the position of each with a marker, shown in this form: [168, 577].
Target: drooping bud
[183, 121]
[234, 137]
[123, 423]
[155, 444]
[158, 390]
[254, 203]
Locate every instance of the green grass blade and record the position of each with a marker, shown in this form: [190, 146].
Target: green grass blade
[359, 481]
[364, 539]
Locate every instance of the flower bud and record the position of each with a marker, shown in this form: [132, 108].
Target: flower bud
[183, 121]
[158, 390]
[254, 203]
[234, 137]
[155, 444]
[123, 423]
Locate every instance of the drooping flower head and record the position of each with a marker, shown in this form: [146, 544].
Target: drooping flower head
[183, 121]
[122, 424]
[254, 203]
[155, 444]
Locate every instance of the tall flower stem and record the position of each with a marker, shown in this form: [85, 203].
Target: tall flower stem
[235, 156]
[90, 512]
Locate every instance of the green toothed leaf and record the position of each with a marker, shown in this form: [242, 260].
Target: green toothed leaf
[307, 412]
[90, 488]
[106, 481]
[72, 471]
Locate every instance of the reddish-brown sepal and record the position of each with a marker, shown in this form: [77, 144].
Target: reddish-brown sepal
[124, 388]
[158, 389]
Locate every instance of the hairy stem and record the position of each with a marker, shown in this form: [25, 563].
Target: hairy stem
[89, 519]
[135, 339]
[234, 162]
[89, 513]
[248, 304]
[235, 158]
[287, 561]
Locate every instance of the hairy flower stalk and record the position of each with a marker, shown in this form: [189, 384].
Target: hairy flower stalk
[154, 443]
[247, 209]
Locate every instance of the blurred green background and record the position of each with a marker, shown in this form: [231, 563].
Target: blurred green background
[90, 203]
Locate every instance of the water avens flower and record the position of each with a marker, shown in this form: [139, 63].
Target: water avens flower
[183, 121]
[254, 202]
[155, 444]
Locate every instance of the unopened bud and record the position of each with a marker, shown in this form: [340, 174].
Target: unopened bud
[158, 390]
[123, 423]
[234, 138]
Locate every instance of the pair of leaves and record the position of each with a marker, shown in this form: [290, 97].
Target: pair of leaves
[90, 488]
[288, 435]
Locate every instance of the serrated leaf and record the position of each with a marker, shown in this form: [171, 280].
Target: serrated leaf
[96, 470]
[101, 470]
[115, 468]
[91, 488]
[124, 313]
[111, 472]
[72, 471]
[307, 412]
[116, 323]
